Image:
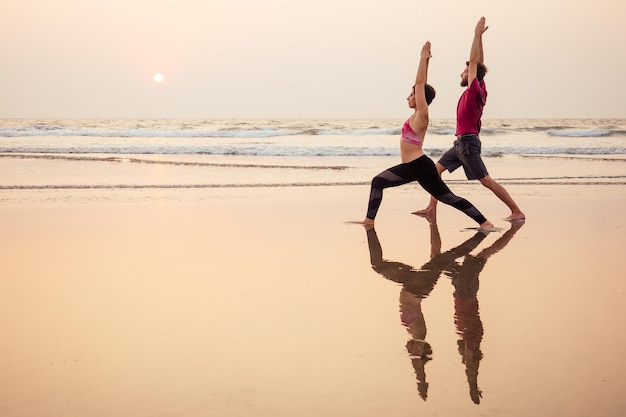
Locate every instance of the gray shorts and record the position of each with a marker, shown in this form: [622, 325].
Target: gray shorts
[465, 152]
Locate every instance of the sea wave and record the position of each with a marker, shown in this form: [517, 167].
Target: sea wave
[556, 180]
[253, 133]
[236, 150]
[303, 151]
[248, 132]
[585, 133]
[307, 138]
[92, 158]
[67, 128]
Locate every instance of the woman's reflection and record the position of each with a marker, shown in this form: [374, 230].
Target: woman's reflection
[417, 285]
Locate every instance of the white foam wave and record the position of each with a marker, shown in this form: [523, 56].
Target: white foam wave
[580, 133]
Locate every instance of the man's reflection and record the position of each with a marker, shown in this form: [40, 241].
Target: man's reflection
[417, 284]
[466, 316]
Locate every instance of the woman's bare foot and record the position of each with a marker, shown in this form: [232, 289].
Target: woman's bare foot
[516, 215]
[368, 224]
[486, 226]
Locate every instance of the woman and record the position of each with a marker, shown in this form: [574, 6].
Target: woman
[415, 165]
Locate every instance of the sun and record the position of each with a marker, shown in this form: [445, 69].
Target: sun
[158, 77]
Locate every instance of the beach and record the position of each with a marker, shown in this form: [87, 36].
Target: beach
[264, 302]
[192, 283]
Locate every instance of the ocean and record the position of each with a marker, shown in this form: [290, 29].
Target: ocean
[319, 138]
[162, 153]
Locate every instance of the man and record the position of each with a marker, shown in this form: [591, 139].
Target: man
[467, 147]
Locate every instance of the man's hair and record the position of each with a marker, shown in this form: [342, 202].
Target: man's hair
[430, 93]
[481, 70]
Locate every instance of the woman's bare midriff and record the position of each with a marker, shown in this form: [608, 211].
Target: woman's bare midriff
[410, 152]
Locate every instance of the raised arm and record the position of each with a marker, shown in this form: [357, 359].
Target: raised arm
[419, 122]
[476, 52]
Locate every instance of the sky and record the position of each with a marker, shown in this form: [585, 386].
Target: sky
[285, 59]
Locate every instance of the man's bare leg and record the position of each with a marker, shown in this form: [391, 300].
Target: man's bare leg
[503, 194]
[431, 209]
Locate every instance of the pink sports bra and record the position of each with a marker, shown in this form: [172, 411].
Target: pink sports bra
[411, 137]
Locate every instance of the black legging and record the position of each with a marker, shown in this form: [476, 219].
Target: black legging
[423, 171]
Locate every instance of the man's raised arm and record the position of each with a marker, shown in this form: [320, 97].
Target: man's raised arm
[476, 52]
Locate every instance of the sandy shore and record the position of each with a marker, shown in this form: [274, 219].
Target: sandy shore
[264, 302]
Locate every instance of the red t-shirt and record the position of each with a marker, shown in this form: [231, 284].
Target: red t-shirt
[470, 108]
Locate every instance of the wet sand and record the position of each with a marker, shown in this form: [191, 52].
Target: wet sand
[264, 302]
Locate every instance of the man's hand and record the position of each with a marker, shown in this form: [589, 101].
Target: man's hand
[480, 27]
[426, 51]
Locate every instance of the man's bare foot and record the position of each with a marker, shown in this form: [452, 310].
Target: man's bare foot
[428, 211]
[516, 225]
[516, 215]
[430, 217]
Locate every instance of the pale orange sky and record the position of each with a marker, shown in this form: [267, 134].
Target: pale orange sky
[292, 59]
